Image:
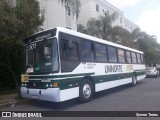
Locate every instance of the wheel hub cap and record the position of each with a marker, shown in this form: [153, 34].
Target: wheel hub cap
[86, 90]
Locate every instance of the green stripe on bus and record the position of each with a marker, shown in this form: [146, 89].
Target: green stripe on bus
[112, 77]
[66, 83]
[61, 76]
[139, 73]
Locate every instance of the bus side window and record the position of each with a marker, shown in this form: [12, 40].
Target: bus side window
[128, 57]
[138, 58]
[101, 52]
[87, 51]
[69, 55]
[134, 59]
[142, 60]
[121, 56]
[112, 54]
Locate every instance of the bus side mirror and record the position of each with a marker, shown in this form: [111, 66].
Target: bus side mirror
[46, 51]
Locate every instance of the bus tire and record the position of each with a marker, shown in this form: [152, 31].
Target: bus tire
[86, 90]
[134, 80]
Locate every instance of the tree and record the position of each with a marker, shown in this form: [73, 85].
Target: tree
[122, 36]
[81, 28]
[148, 44]
[15, 24]
[75, 6]
[100, 27]
[137, 34]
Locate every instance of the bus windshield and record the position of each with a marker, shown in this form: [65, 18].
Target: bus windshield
[42, 56]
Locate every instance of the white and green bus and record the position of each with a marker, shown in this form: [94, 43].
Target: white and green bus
[62, 64]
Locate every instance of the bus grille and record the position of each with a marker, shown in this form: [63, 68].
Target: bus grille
[36, 85]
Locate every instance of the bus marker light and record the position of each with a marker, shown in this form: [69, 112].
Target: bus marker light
[55, 84]
[46, 85]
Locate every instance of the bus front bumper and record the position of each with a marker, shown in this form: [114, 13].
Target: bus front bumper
[49, 94]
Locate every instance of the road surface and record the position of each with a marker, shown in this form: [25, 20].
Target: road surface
[145, 96]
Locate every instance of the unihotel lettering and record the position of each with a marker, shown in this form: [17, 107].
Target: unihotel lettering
[113, 68]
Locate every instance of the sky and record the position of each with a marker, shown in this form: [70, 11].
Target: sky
[145, 13]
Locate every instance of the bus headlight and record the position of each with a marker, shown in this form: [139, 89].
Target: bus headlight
[24, 85]
[46, 85]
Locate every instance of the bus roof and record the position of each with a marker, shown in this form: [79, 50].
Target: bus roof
[85, 36]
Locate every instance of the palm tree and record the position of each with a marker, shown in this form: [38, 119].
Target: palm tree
[137, 34]
[75, 6]
[81, 28]
[100, 27]
[121, 36]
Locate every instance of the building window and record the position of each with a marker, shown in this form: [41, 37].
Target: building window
[97, 8]
[126, 27]
[121, 20]
[67, 10]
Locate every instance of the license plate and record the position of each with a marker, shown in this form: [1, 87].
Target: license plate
[35, 97]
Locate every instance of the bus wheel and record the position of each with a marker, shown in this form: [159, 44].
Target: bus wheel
[134, 80]
[86, 91]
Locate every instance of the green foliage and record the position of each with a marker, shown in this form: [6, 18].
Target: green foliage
[148, 44]
[15, 24]
[99, 27]
[102, 28]
[122, 36]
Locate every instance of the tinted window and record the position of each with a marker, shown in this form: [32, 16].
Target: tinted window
[30, 57]
[101, 53]
[112, 54]
[128, 57]
[87, 51]
[121, 56]
[97, 8]
[138, 58]
[142, 59]
[134, 60]
[69, 52]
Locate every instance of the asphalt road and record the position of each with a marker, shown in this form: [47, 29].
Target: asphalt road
[145, 96]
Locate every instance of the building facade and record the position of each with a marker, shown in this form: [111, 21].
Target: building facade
[95, 8]
[57, 15]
